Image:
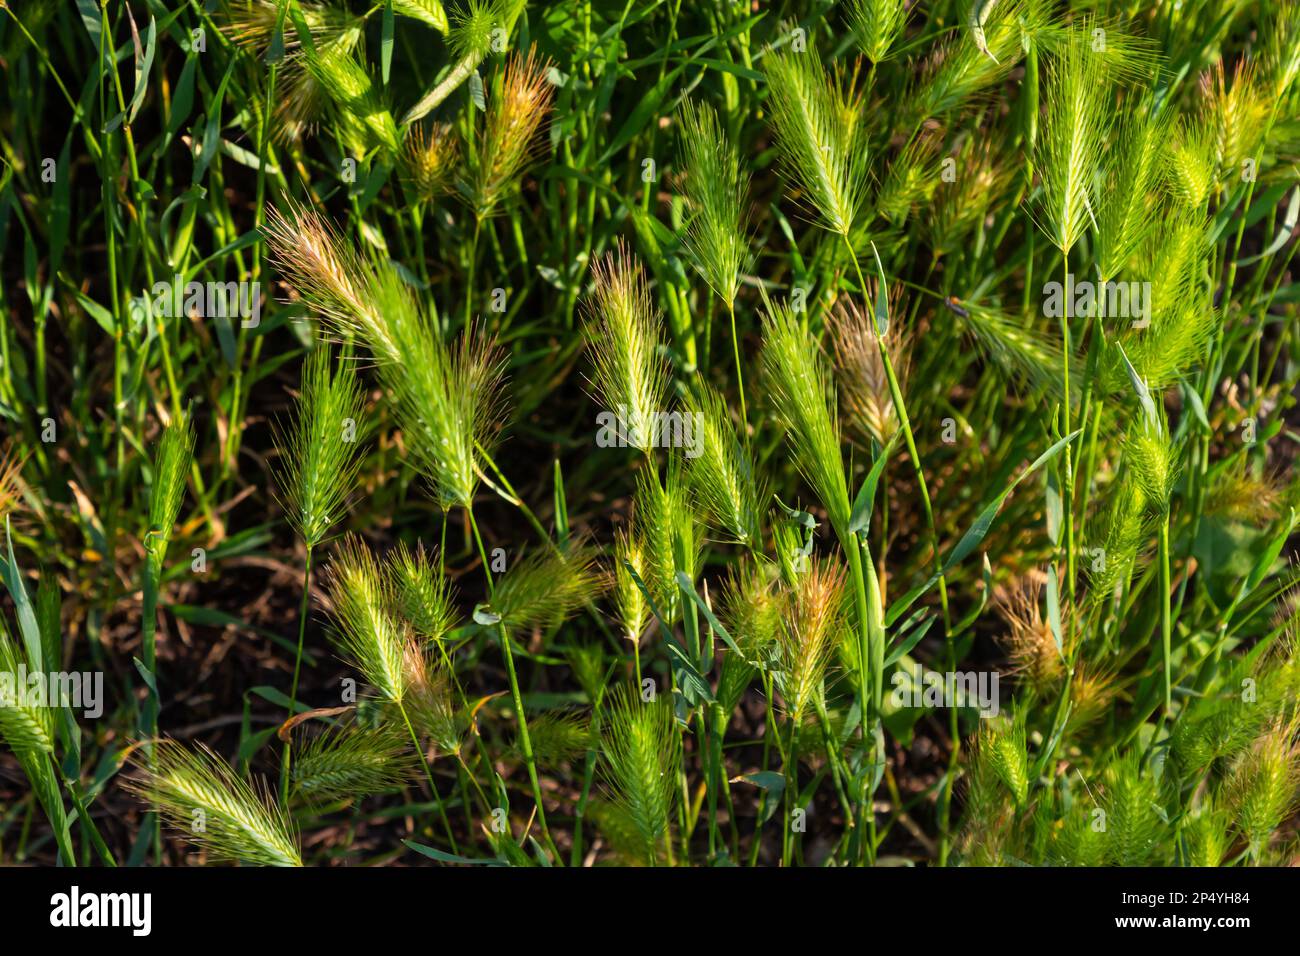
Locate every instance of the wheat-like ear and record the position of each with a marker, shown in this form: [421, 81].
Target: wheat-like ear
[1282, 61]
[665, 524]
[447, 399]
[421, 592]
[876, 25]
[320, 452]
[1263, 789]
[546, 586]
[214, 808]
[558, 737]
[717, 235]
[27, 729]
[1131, 206]
[170, 470]
[252, 23]
[1190, 165]
[722, 473]
[629, 559]
[987, 48]
[1070, 148]
[643, 754]
[820, 136]
[429, 12]
[805, 405]
[622, 330]
[350, 763]
[505, 147]
[429, 161]
[810, 631]
[1133, 825]
[752, 608]
[368, 634]
[363, 118]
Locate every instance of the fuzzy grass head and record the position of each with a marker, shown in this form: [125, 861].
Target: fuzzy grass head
[505, 147]
[820, 137]
[214, 808]
[811, 628]
[368, 634]
[429, 161]
[447, 397]
[622, 331]
[421, 592]
[546, 586]
[171, 470]
[717, 234]
[868, 403]
[722, 474]
[877, 24]
[642, 756]
[322, 447]
[1070, 147]
[350, 764]
[804, 398]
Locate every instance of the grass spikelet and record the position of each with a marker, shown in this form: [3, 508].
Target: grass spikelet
[1128, 212]
[426, 11]
[811, 628]
[349, 764]
[622, 330]
[633, 611]
[421, 592]
[322, 447]
[1000, 749]
[722, 475]
[1133, 825]
[1240, 113]
[1021, 352]
[819, 136]
[170, 471]
[544, 587]
[447, 398]
[27, 728]
[876, 25]
[665, 524]
[559, 737]
[240, 822]
[1262, 789]
[642, 751]
[506, 145]
[11, 466]
[1122, 534]
[429, 160]
[717, 234]
[805, 405]
[1070, 147]
[752, 609]
[360, 108]
[368, 635]
[868, 403]
[1190, 161]
[961, 206]
[1030, 645]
